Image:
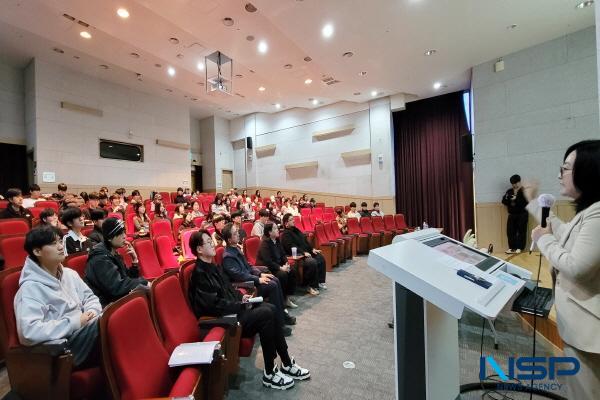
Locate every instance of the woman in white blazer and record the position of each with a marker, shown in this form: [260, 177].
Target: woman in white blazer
[573, 250]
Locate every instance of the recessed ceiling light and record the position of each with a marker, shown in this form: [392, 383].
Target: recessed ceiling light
[315, 102]
[227, 21]
[263, 47]
[249, 38]
[171, 71]
[307, 59]
[288, 66]
[374, 93]
[278, 106]
[348, 54]
[158, 65]
[58, 50]
[180, 56]
[262, 89]
[76, 57]
[103, 66]
[123, 13]
[327, 31]
[308, 81]
[85, 34]
[430, 52]
[585, 4]
[437, 85]
[174, 40]
[169, 90]
[139, 76]
[200, 66]
[134, 55]
[239, 75]
[511, 26]
[356, 93]
[251, 70]
[250, 7]
[200, 83]
[362, 73]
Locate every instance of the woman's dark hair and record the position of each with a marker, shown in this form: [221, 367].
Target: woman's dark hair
[13, 192]
[227, 232]
[375, 204]
[586, 172]
[39, 237]
[47, 212]
[352, 204]
[217, 218]
[177, 208]
[257, 193]
[196, 240]
[135, 193]
[514, 179]
[286, 218]
[70, 214]
[268, 228]
[84, 196]
[34, 188]
[338, 211]
[97, 214]
[137, 206]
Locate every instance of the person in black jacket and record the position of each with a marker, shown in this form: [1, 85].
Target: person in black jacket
[314, 263]
[272, 255]
[15, 206]
[237, 268]
[74, 241]
[516, 225]
[180, 199]
[211, 294]
[97, 216]
[105, 272]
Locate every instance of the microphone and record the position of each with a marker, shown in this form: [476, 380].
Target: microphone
[545, 201]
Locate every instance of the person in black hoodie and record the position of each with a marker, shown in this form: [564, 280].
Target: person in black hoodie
[211, 294]
[516, 225]
[15, 206]
[272, 255]
[314, 263]
[97, 216]
[105, 272]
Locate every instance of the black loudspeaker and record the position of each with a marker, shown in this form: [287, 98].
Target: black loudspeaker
[249, 142]
[466, 148]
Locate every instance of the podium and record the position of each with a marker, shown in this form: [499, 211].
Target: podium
[429, 299]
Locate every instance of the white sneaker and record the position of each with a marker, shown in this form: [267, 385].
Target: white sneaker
[518, 251]
[323, 286]
[289, 303]
[510, 251]
[295, 371]
[312, 292]
[277, 380]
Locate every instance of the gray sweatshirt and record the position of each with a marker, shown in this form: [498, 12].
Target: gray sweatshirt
[49, 309]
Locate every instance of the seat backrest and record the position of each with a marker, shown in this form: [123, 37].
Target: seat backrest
[13, 226]
[175, 320]
[305, 211]
[161, 227]
[308, 223]
[170, 207]
[328, 217]
[320, 205]
[365, 225]
[378, 224]
[148, 260]
[185, 244]
[400, 222]
[185, 275]
[173, 196]
[3, 204]
[125, 256]
[298, 223]
[316, 219]
[388, 222]
[116, 215]
[86, 230]
[219, 255]
[317, 211]
[328, 210]
[11, 248]
[129, 225]
[251, 245]
[336, 230]
[247, 227]
[46, 204]
[36, 211]
[329, 231]
[9, 285]
[353, 226]
[166, 198]
[198, 221]
[176, 224]
[164, 252]
[321, 235]
[77, 261]
[134, 357]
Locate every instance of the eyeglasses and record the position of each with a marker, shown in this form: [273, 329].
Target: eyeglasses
[209, 243]
[563, 170]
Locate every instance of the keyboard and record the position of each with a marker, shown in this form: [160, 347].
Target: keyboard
[537, 302]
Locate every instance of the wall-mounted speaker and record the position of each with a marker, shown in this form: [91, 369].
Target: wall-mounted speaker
[249, 142]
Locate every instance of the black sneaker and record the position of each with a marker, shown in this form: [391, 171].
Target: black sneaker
[295, 371]
[277, 380]
[287, 331]
[288, 319]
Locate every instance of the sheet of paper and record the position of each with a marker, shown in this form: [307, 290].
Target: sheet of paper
[193, 353]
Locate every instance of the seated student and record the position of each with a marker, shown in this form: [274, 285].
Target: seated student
[180, 199]
[314, 263]
[218, 206]
[312, 203]
[272, 255]
[376, 212]
[342, 222]
[353, 213]
[62, 190]
[211, 294]
[141, 221]
[196, 212]
[52, 302]
[84, 196]
[236, 218]
[248, 209]
[35, 194]
[15, 206]
[188, 222]
[48, 217]
[105, 272]
[74, 241]
[97, 216]
[136, 197]
[303, 202]
[160, 212]
[364, 212]
[116, 205]
[102, 200]
[179, 211]
[259, 226]
[237, 268]
[218, 223]
[103, 190]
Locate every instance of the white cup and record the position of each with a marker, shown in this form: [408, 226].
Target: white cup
[294, 251]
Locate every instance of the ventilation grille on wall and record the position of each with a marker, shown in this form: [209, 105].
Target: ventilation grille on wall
[329, 80]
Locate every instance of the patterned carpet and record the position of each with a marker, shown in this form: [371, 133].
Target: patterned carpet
[348, 322]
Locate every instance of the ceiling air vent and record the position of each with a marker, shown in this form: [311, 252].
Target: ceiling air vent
[70, 18]
[329, 80]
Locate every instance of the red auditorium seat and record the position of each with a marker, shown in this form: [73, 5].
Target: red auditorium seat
[134, 359]
[170, 207]
[125, 256]
[185, 244]
[173, 196]
[148, 260]
[13, 226]
[251, 245]
[164, 252]
[379, 226]
[3, 204]
[329, 249]
[40, 374]
[401, 223]
[36, 211]
[364, 239]
[219, 255]
[317, 211]
[198, 221]
[305, 211]
[308, 224]
[300, 225]
[166, 198]
[247, 227]
[328, 210]
[315, 219]
[390, 225]
[46, 204]
[176, 224]
[129, 225]
[344, 243]
[367, 227]
[162, 228]
[320, 205]
[175, 328]
[352, 238]
[11, 248]
[77, 261]
[86, 230]
[116, 215]
[328, 217]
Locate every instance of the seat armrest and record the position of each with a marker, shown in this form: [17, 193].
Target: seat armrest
[243, 285]
[224, 321]
[50, 349]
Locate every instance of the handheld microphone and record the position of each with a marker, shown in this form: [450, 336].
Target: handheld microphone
[545, 201]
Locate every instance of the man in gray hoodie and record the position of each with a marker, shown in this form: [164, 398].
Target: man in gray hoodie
[53, 304]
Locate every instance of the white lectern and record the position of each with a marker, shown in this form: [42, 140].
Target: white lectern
[429, 298]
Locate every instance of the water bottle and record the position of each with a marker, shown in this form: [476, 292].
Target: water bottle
[425, 225]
